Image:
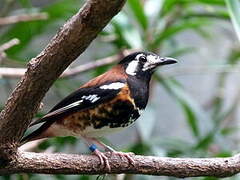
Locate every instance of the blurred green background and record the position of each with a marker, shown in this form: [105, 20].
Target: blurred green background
[193, 109]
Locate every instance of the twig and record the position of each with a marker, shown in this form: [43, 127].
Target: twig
[19, 72]
[89, 164]
[6, 46]
[95, 64]
[23, 18]
[9, 44]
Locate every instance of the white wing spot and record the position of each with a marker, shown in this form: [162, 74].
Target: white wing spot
[93, 97]
[115, 86]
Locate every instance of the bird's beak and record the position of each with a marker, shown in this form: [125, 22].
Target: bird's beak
[166, 60]
[153, 61]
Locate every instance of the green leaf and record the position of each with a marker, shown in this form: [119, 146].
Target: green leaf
[212, 2]
[153, 8]
[140, 148]
[25, 3]
[170, 5]
[206, 141]
[229, 130]
[217, 14]
[234, 11]
[127, 35]
[175, 29]
[137, 9]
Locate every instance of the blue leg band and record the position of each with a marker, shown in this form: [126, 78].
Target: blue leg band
[93, 147]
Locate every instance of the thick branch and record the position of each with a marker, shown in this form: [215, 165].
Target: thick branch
[65, 47]
[87, 164]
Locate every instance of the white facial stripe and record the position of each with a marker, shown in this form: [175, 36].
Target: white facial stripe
[115, 86]
[132, 67]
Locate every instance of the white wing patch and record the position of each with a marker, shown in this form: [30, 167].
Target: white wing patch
[93, 97]
[132, 67]
[114, 86]
[59, 111]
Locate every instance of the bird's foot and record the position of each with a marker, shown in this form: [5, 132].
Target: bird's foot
[103, 159]
[125, 155]
[121, 154]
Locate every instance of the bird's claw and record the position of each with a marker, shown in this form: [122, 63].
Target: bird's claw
[103, 159]
[126, 155]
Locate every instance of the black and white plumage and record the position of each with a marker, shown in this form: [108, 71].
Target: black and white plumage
[107, 103]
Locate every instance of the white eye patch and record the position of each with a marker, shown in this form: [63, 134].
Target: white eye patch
[151, 61]
[132, 67]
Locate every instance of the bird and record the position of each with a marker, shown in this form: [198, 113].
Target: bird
[108, 103]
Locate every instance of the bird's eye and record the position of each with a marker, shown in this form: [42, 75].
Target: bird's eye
[142, 58]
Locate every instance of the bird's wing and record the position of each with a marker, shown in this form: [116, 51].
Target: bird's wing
[81, 99]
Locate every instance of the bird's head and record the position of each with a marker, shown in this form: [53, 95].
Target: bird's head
[144, 63]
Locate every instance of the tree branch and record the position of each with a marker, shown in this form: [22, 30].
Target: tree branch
[88, 164]
[72, 39]
[23, 18]
[6, 46]
[19, 72]
[9, 44]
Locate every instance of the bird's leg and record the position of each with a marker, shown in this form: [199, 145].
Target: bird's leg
[93, 148]
[109, 149]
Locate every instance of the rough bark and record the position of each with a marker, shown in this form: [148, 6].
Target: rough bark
[72, 39]
[86, 164]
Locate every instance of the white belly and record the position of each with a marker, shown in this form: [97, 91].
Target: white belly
[88, 132]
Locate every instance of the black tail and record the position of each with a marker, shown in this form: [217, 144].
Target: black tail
[37, 134]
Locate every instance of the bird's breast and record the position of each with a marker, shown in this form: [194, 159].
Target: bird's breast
[109, 116]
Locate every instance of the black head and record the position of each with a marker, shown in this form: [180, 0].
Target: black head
[144, 63]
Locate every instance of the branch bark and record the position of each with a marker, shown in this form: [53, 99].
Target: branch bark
[88, 164]
[72, 39]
